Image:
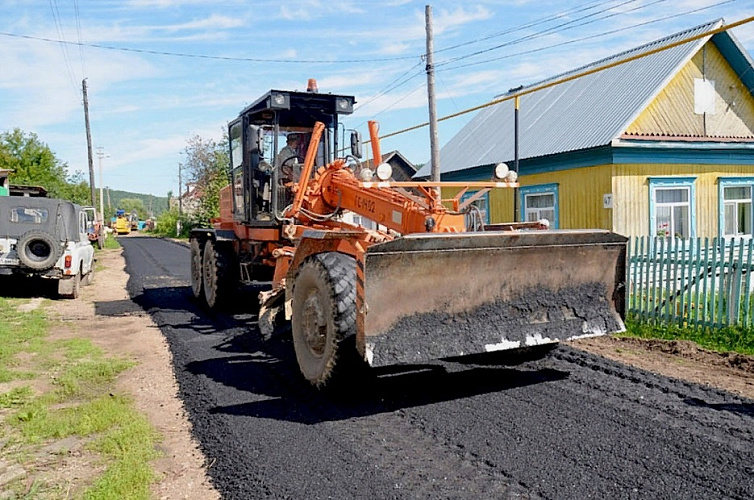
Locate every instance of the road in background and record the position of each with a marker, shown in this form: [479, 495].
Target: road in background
[568, 426]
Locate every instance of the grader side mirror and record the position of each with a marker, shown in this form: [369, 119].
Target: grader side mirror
[356, 143]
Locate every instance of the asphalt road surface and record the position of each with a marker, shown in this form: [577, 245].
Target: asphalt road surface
[567, 426]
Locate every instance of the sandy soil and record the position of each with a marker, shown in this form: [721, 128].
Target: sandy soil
[679, 359]
[105, 314]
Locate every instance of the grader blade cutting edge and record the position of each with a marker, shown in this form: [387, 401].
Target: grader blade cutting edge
[431, 296]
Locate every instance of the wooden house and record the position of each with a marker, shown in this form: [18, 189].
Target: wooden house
[662, 145]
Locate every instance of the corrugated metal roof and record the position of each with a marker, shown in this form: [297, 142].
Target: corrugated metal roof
[583, 113]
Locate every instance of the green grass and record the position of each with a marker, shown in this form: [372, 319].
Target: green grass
[111, 242]
[16, 397]
[729, 339]
[74, 395]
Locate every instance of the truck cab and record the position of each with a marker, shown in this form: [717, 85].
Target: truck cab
[268, 143]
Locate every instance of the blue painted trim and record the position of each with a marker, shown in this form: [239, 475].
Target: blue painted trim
[664, 182]
[689, 156]
[738, 60]
[482, 172]
[551, 187]
[723, 182]
[631, 152]
[485, 197]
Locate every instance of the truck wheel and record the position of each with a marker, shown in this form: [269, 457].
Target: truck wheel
[89, 278]
[197, 288]
[219, 274]
[324, 314]
[38, 250]
[75, 289]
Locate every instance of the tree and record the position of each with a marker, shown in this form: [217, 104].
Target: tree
[131, 204]
[206, 166]
[77, 189]
[34, 164]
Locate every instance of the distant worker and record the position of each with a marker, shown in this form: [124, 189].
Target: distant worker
[286, 159]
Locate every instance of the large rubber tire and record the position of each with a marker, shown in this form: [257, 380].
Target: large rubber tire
[324, 316]
[89, 278]
[38, 250]
[76, 288]
[197, 279]
[219, 276]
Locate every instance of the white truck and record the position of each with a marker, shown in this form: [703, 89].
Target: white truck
[46, 238]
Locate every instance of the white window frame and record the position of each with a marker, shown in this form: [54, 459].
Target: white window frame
[668, 183]
[728, 182]
[537, 190]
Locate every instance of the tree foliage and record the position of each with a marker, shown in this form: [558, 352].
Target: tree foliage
[34, 164]
[206, 168]
[133, 204]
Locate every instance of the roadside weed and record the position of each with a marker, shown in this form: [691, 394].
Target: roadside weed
[727, 339]
[111, 242]
[71, 394]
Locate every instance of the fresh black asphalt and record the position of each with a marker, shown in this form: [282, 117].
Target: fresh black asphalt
[568, 426]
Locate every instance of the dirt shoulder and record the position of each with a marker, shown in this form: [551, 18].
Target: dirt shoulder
[105, 314]
[679, 359]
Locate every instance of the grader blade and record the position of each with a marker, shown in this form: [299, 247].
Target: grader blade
[431, 296]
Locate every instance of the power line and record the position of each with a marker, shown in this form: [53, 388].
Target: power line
[531, 24]
[570, 77]
[590, 37]
[546, 32]
[78, 36]
[392, 85]
[205, 56]
[554, 29]
[61, 34]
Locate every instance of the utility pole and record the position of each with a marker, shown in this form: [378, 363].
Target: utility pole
[180, 191]
[101, 154]
[433, 141]
[516, 208]
[89, 143]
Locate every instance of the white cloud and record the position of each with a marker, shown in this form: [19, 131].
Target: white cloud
[305, 11]
[165, 4]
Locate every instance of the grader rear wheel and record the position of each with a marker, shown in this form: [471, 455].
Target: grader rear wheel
[197, 282]
[219, 275]
[324, 315]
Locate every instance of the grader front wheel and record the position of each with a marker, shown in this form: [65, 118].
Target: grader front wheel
[324, 314]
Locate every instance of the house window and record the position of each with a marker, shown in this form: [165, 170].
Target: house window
[735, 206]
[671, 207]
[540, 202]
[479, 215]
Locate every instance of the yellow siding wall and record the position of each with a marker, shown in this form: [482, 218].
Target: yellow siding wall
[672, 111]
[631, 194]
[579, 194]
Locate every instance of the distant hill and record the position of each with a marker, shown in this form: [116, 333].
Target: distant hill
[155, 204]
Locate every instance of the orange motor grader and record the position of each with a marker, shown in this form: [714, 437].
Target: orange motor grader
[418, 285]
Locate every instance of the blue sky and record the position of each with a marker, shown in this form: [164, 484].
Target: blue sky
[144, 104]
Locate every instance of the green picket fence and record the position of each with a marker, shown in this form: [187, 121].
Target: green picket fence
[690, 283]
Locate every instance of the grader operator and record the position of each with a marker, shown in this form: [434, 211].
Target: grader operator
[420, 286]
